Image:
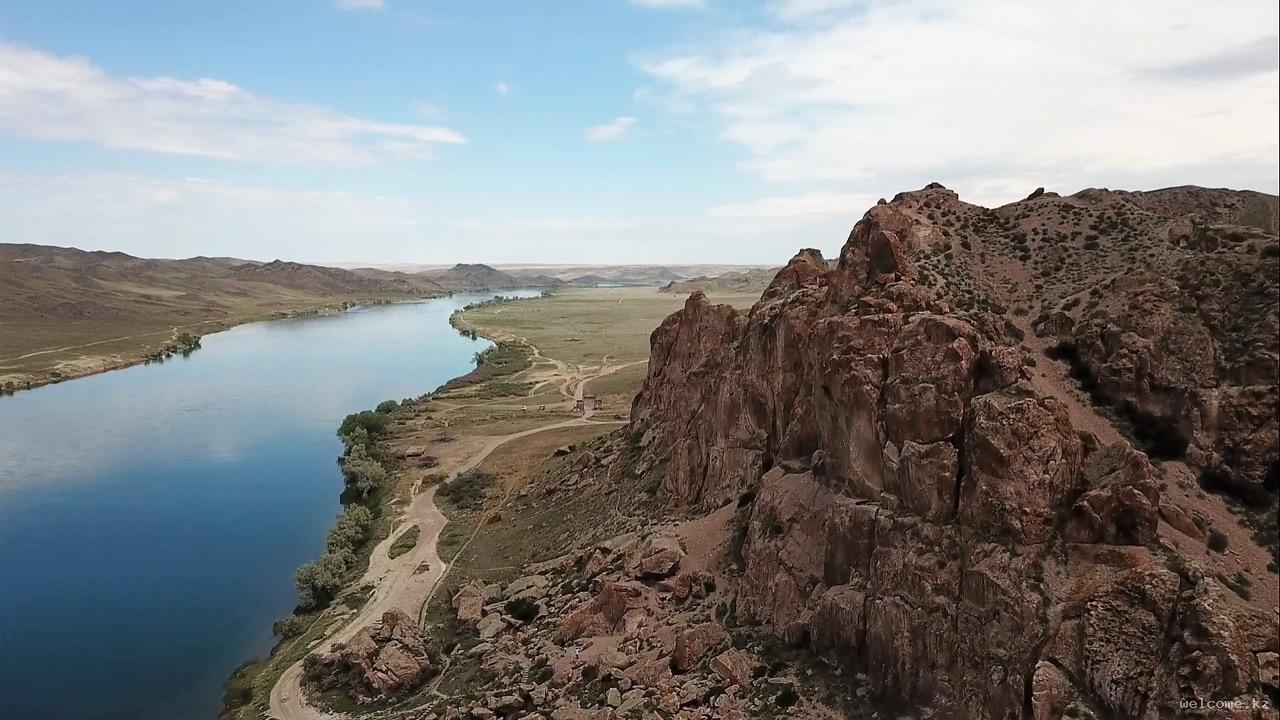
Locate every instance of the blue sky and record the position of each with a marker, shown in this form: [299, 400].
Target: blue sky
[599, 130]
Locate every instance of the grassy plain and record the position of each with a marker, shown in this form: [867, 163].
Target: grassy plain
[582, 326]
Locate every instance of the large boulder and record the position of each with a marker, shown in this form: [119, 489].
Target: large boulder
[656, 557]
[619, 607]
[383, 661]
[694, 643]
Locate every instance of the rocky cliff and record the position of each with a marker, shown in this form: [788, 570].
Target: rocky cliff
[912, 506]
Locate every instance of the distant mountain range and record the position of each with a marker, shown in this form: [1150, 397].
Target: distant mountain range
[50, 283]
[753, 280]
[548, 274]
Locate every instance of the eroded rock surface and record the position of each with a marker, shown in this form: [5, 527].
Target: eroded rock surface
[913, 509]
[383, 661]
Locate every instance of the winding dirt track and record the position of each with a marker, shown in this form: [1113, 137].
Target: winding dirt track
[396, 581]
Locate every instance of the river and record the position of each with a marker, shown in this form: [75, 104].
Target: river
[151, 518]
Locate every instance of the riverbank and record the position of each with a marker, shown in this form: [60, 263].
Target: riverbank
[234, 450]
[385, 571]
[148, 346]
[464, 452]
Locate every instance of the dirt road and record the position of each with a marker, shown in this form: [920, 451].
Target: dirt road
[398, 582]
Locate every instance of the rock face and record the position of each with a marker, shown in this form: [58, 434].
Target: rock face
[911, 508]
[382, 661]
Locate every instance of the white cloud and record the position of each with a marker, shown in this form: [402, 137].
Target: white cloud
[502, 87]
[175, 217]
[428, 110]
[801, 9]
[669, 4]
[995, 98]
[52, 97]
[850, 205]
[549, 224]
[357, 5]
[615, 129]
[152, 217]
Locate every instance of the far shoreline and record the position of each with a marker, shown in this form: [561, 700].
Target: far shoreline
[96, 365]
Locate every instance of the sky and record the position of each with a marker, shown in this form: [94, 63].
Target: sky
[601, 131]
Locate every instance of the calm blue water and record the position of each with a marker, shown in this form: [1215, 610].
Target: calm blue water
[151, 518]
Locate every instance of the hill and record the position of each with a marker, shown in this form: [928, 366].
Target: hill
[110, 308]
[473, 276]
[1011, 462]
[754, 280]
[539, 275]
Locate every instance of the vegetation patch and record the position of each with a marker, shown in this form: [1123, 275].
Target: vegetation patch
[467, 491]
[403, 544]
[504, 358]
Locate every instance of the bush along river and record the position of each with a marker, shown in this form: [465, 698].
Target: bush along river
[152, 518]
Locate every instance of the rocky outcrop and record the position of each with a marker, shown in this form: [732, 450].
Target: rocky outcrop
[657, 557]
[912, 509]
[1167, 372]
[383, 661]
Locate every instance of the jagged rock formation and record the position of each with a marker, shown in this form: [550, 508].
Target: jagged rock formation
[384, 660]
[911, 507]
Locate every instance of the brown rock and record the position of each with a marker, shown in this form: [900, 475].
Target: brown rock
[470, 610]
[1021, 460]
[382, 661]
[913, 511]
[490, 626]
[656, 557]
[695, 643]
[736, 666]
[618, 606]
[1120, 503]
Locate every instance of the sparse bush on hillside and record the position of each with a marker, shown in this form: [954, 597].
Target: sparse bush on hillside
[406, 542]
[291, 627]
[1218, 541]
[467, 491]
[522, 609]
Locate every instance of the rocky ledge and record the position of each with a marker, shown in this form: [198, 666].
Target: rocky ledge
[383, 661]
[913, 509]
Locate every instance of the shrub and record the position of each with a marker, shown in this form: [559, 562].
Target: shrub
[372, 422]
[770, 524]
[786, 698]
[386, 406]
[291, 627]
[350, 529]
[403, 544]
[317, 582]
[467, 491]
[238, 691]
[1218, 541]
[362, 471]
[522, 609]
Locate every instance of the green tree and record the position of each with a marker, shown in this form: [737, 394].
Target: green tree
[363, 471]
